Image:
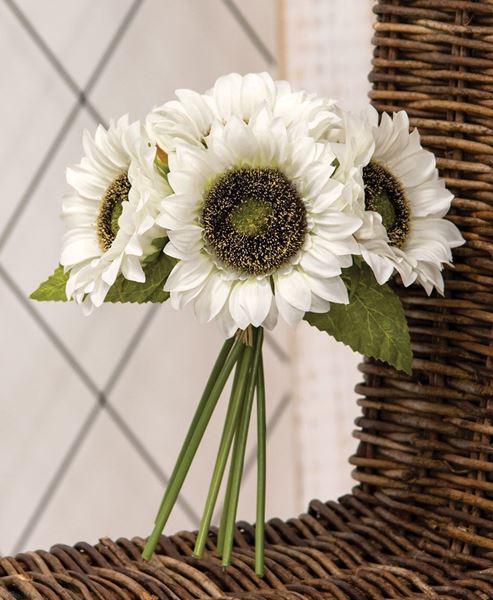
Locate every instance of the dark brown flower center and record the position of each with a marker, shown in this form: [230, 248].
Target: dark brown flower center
[110, 210]
[254, 219]
[384, 195]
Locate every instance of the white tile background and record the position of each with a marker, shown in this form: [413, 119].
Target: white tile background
[72, 468]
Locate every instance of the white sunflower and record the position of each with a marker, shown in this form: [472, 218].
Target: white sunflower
[253, 225]
[191, 117]
[401, 199]
[110, 219]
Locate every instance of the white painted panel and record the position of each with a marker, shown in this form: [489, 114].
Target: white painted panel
[328, 51]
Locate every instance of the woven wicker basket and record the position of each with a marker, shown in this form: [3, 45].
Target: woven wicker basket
[420, 522]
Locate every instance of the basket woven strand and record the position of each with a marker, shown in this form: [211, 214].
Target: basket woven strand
[419, 523]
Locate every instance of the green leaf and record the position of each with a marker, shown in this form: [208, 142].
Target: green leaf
[53, 289]
[373, 323]
[157, 267]
[159, 244]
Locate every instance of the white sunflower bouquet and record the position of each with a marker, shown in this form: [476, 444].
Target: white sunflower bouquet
[254, 202]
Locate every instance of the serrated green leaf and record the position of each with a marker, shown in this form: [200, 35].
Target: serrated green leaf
[373, 323]
[157, 268]
[53, 289]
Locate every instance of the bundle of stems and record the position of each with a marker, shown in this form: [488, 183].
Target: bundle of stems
[243, 355]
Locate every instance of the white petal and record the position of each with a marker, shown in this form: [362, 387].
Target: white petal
[226, 322]
[407, 272]
[186, 239]
[188, 274]
[324, 201]
[87, 183]
[332, 289]
[79, 245]
[256, 88]
[83, 210]
[382, 266]
[134, 245]
[415, 169]
[99, 294]
[227, 94]
[432, 239]
[429, 276]
[87, 306]
[175, 217]
[294, 289]
[288, 312]
[240, 139]
[250, 302]
[212, 298]
[429, 199]
[312, 263]
[197, 108]
[185, 183]
[322, 250]
[132, 269]
[319, 305]
[180, 299]
[111, 272]
[172, 251]
[333, 225]
[270, 320]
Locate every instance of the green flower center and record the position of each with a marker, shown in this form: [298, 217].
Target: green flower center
[254, 220]
[384, 194]
[251, 217]
[110, 210]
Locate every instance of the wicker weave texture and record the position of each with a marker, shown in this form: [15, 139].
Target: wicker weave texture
[426, 441]
[419, 525]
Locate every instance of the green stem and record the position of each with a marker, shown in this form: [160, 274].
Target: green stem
[216, 369]
[261, 472]
[227, 359]
[235, 404]
[238, 457]
[224, 513]
[227, 495]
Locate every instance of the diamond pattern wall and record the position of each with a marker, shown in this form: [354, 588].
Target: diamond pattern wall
[92, 410]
